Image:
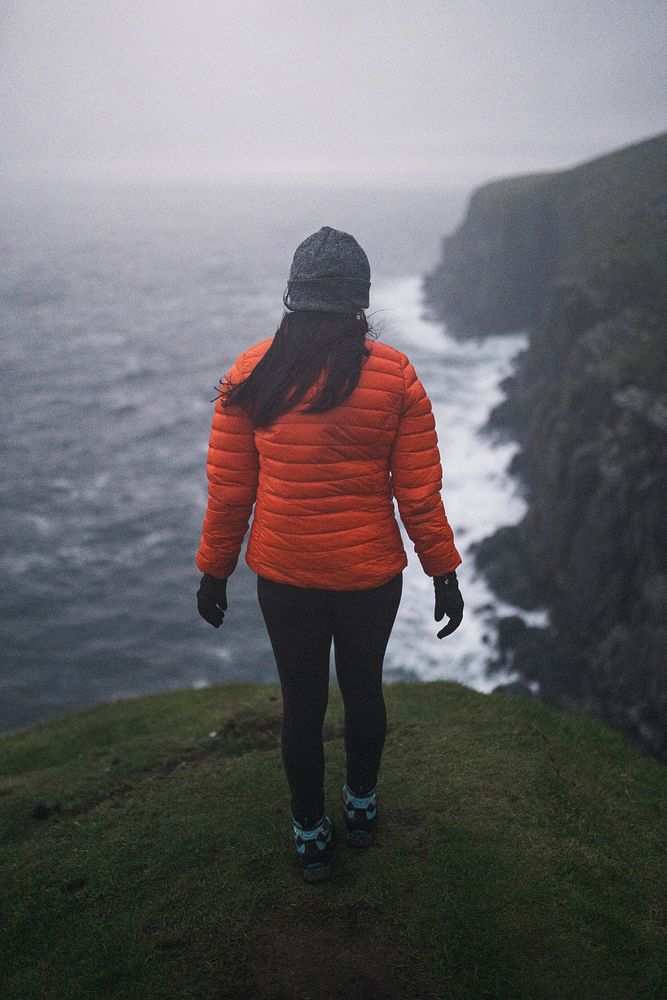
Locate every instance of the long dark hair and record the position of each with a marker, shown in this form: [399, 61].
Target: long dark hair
[306, 344]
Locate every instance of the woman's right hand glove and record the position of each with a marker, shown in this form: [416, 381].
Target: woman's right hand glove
[212, 599]
[448, 601]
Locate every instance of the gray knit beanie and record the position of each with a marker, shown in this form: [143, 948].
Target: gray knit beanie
[330, 271]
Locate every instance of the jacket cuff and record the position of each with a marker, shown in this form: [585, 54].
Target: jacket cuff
[220, 570]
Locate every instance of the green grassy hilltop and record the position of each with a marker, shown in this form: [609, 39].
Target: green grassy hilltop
[147, 853]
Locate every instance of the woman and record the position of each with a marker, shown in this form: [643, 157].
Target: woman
[320, 428]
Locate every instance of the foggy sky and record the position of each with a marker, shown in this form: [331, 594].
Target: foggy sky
[343, 91]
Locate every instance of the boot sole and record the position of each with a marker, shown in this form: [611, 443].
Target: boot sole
[359, 838]
[317, 873]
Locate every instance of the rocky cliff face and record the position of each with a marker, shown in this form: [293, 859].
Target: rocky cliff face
[579, 258]
[480, 287]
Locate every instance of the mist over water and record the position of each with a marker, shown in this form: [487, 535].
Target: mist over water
[122, 307]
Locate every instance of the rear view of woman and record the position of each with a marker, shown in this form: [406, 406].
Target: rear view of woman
[320, 428]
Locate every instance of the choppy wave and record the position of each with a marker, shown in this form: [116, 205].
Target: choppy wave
[118, 329]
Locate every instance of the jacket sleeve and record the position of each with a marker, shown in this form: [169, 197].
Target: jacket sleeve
[416, 477]
[232, 467]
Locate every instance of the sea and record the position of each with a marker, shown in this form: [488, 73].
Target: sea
[122, 305]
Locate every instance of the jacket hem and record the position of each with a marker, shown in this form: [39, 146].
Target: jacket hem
[323, 581]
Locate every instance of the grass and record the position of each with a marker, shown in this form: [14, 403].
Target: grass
[600, 206]
[519, 854]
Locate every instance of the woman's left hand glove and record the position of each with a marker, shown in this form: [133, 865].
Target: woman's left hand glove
[212, 599]
[448, 601]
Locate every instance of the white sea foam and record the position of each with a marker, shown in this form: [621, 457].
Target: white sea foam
[462, 379]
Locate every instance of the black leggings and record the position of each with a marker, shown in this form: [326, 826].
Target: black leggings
[302, 622]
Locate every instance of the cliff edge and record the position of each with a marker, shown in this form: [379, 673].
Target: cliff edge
[147, 852]
[578, 258]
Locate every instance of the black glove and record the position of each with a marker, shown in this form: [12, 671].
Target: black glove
[212, 599]
[448, 601]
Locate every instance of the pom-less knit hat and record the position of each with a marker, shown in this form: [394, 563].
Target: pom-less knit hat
[330, 271]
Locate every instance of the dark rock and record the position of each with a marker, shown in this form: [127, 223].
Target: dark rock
[496, 267]
[579, 258]
[511, 630]
[501, 557]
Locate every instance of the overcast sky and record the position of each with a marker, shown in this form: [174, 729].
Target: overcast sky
[419, 92]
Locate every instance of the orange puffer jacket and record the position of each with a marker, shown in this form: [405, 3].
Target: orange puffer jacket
[323, 484]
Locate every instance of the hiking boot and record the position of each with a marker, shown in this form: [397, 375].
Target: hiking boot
[360, 815]
[314, 847]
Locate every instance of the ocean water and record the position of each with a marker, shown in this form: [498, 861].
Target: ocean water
[121, 308]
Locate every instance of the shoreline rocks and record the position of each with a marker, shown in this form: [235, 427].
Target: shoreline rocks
[578, 257]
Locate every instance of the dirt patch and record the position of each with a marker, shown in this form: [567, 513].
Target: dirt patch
[56, 810]
[244, 733]
[74, 885]
[249, 731]
[323, 955]
[258, 731]
[407, 819]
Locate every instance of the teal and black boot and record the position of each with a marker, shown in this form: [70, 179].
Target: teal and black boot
[314, 848]
[360, 814]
